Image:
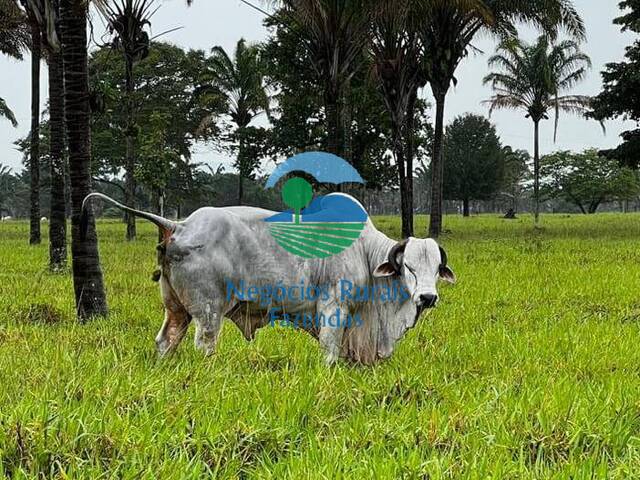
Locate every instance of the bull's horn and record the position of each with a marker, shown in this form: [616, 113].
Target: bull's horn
[397, 249]
[161, 222]
[443, 257]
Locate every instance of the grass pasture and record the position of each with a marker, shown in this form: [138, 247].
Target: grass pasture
[529, 368]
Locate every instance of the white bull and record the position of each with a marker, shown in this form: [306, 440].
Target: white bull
[205, 260]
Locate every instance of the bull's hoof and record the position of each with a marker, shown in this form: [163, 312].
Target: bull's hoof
[208, 352]
[330, 359]
[207, 348]
[164, 349]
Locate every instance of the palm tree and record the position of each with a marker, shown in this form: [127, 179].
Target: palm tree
[447, 32]
[57, 215]
[335, 34]
[47, 15]
[239, 83]
[34, 141]
[396, 51]
[534, 78]
[87, 274]
[127, 20]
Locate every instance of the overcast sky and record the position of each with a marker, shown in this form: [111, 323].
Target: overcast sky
[223, 22]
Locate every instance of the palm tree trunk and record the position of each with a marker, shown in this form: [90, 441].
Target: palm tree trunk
[437, 166]
[57, 215]
[536, 172]
[407, 188]
[34, 153]
[160, 211]
[345, 126]
[241, 164]
[405, 212]
[130, 181]
[333, 120]
[466, 211]
[87, 275]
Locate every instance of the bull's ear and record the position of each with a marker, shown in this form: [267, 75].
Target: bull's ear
[384, 270]
[447, 275]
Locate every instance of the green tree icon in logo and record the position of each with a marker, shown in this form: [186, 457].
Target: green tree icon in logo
[296, 194]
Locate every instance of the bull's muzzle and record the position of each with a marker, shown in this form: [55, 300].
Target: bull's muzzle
[427, 300]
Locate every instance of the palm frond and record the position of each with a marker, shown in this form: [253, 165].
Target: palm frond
[15, 37]
[45, 14]
[534, 77]
[504, 102]
[127, 24]
[6, 112]
[239, 82]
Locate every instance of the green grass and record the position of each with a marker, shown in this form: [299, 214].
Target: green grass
[529, 368]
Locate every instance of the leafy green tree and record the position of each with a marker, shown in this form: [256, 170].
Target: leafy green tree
[587, 179]
[534, 78]
[166, 81]
[160, 162]
[475, 160]
[620, 96]
[239, 81]
[448, 28]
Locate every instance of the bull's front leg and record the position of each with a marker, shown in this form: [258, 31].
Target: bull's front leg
[331, 331]
[174, 328]
[208, 320]
[176, 320]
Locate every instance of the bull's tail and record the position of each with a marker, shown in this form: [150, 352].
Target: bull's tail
[161, 222]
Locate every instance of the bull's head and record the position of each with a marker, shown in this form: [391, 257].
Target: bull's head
[419, 264]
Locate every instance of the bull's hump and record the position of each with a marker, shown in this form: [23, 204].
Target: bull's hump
[212, 215]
